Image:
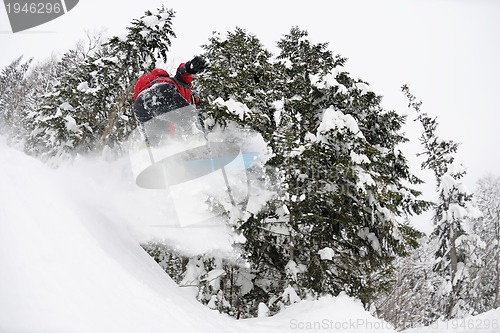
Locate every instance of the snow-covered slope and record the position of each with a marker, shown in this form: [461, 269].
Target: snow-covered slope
[68, 266]
[70, 259]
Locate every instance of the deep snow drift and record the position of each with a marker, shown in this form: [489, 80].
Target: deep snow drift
[70, 259]
[69, 263]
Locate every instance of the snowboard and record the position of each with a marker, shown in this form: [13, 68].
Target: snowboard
[187, 165]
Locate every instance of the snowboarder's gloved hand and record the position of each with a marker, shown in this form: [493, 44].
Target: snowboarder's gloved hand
[196, 65]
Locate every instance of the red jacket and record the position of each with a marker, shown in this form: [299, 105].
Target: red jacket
[182, 82]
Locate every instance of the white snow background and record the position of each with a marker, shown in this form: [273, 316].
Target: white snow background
[70, 259]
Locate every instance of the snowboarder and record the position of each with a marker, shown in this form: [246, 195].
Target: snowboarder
[156, 92]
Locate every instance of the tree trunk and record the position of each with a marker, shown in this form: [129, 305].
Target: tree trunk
[496, 303]
[453, 270]
[113, 115]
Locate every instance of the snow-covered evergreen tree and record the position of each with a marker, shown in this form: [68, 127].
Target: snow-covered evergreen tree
[22, 91]
[55, 130]
[90, 105]
[455, 253]
[341, 184]
[13, 93]
[411, 302]
[240, 71]
[487, 284]
[417, 298]
[343, 175]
